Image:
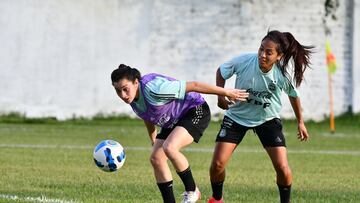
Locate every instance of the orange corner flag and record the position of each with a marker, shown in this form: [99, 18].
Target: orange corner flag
[330, 58]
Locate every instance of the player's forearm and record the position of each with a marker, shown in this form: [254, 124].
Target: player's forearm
[204, 88]
[151, 130]
[296, 105]
[208, 89]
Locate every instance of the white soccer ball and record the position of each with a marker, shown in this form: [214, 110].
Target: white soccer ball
[109, 155]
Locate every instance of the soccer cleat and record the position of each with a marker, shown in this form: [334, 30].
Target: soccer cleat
[191, 196]
[213, 200]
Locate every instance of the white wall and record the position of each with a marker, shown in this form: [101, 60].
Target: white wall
[356, 58]
[57, 56]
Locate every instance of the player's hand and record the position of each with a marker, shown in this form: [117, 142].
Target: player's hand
[223, 103]
[302, 132]
[236, 95]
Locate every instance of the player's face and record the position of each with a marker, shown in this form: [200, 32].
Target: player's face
[267, 54]
[127, 90]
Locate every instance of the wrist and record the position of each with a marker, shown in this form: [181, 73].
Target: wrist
[300, 121]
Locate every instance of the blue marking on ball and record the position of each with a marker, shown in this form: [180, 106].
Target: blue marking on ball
[101, 144]
[98, 164]
[110, 159]
[121, 157]
[111, 142]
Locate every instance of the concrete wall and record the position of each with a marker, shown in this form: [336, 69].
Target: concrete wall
[356, 58]
[57, 56]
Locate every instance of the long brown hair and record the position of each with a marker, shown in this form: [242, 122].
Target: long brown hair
[291, 48]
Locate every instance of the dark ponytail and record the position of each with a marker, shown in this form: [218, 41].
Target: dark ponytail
[125, 72]
[291, 48]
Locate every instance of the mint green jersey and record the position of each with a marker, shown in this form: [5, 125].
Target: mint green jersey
[264, 102]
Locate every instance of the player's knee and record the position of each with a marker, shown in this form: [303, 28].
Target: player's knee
[169, 150]
[283, 170]
[155, 160]
[217, 166]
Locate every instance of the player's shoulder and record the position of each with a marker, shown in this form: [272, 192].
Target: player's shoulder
[245, 57]
[156, 76]
[283, 78]
[151, 76]
[156, 82]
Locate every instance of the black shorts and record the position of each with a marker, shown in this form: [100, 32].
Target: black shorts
[195, 121]
[270, 133]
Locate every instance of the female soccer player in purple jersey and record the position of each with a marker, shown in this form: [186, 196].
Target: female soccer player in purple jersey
[181, 112]
[264, 75]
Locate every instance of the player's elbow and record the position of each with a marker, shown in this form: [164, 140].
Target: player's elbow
[192, 86]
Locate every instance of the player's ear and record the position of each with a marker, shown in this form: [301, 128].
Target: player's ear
[136, 82]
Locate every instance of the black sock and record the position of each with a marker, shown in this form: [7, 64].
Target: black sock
[187, 179]
[217, 188]
[284, 193]
[167, 193]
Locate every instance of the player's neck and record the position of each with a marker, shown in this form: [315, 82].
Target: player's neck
[265, 69]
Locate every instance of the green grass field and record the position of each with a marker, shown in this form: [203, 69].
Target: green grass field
[43, 160]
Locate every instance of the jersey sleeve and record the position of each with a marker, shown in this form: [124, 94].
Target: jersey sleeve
[227, 69]
[290, 89]
[235, 65]
[160, 90]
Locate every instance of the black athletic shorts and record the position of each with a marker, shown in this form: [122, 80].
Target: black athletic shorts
[195, 121]
[270, 133]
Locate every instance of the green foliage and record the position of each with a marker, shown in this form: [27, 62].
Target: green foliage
[15, 117]
[331, 7]
[20, 118]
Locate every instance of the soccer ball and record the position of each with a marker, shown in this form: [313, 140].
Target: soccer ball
[109, 155]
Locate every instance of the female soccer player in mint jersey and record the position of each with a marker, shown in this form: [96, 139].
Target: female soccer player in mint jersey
[181, 112]
[264, 76]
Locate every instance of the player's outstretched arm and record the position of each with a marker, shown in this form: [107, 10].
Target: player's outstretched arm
[232, 94]
[296, 105]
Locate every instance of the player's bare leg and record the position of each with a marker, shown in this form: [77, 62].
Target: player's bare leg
[279, 160]
[162, 171]
[158, 160]
[221, 157]
[178, 139]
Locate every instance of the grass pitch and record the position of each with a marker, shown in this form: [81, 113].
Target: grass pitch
[43, 160]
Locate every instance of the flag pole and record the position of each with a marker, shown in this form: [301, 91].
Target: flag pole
[330, 9]
[331, 63]
[332, 120]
